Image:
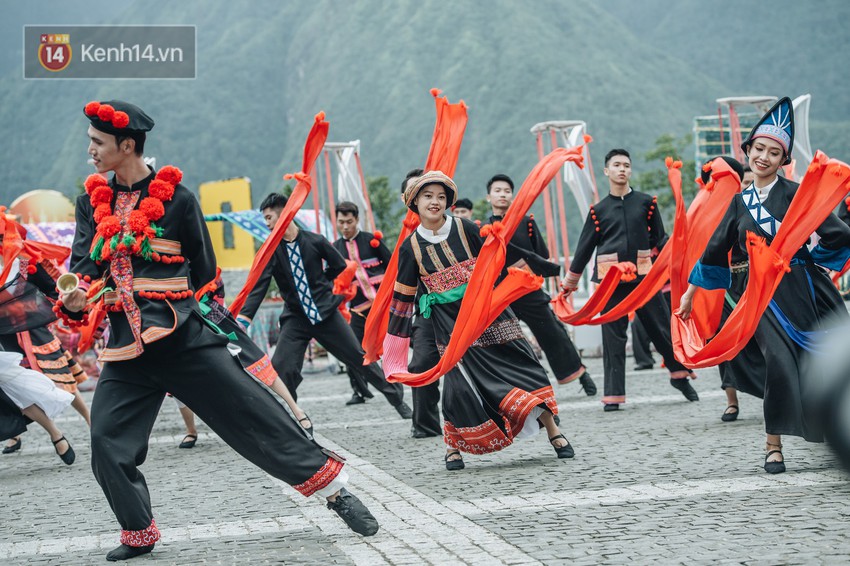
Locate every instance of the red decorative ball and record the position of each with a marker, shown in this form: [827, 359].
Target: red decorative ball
[93, 181]
[379, 235]
[109, 226]
[102, 211]
[105, 112]
[92, 108]
[161, 189]
[101, 195]
[120, 119]
[153, 208]
[31, 269]
[374, 242]
[138, 221]
[170, 174]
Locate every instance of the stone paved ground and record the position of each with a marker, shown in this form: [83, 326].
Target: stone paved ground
[663, 481]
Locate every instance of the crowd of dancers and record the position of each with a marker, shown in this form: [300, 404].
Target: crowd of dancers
[143, 267]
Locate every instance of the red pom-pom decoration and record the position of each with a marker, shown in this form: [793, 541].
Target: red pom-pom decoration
[92, 108]
[109, 226]
[101, 195]
[170, 174]
[120, 119]
[105, 112]
[31, 269]
[379, 235]
[161, 190]
[101, 212]
[374, 242]
[94, 181]
[152, 208]
[137, 221]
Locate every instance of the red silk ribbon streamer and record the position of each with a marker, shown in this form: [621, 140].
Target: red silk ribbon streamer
[704, 213]
[442, 156]
[825, 184]
[344, 285]
[312, 148]
[481, 303]
[15, 244]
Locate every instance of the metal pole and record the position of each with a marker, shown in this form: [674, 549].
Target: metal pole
[331, 201]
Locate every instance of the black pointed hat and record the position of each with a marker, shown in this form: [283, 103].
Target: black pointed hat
[778, 125]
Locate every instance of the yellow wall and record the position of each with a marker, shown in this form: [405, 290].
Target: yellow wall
[238, 193]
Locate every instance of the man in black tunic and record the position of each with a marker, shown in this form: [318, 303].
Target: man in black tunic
[626, 226]
[371, 256]
[533, 309]
[143, 235]
[311, 308]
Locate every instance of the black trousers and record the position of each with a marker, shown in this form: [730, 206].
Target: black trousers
[426, 412]
[640, 344]
[533, 309]
[194, 365]
[336, 337]
[655, 317]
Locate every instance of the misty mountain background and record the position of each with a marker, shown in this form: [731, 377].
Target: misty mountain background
[632, 70]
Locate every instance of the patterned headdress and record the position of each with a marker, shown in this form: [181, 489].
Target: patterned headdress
[778, 125]
[431, 178]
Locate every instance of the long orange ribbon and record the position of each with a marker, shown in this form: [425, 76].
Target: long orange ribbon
[705, 213]
[312, 148]
[442, 156]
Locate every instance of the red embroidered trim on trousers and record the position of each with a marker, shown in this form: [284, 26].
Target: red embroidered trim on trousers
[320, 479]
[144, 537]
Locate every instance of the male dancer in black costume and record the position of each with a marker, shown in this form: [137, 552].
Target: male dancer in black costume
[371, 256]
[311, 309]
[144, 235]
[533, 308]
[626, 226]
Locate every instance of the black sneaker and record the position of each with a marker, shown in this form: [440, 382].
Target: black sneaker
[404, 411]
[608, 407]
[355, 400]
[354, 513]
[587, 384]
[684, 385]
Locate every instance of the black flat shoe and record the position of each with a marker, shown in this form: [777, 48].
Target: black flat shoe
[686, 388]
[587, 384]
[125, 552]
[774, 467]
[190, 443]
[14, 447]
[354, 513]
[309, 429]
[456, 464]
[68, 456]
[642, 367]
[729, 417]
[611, 407]
[564, 451]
